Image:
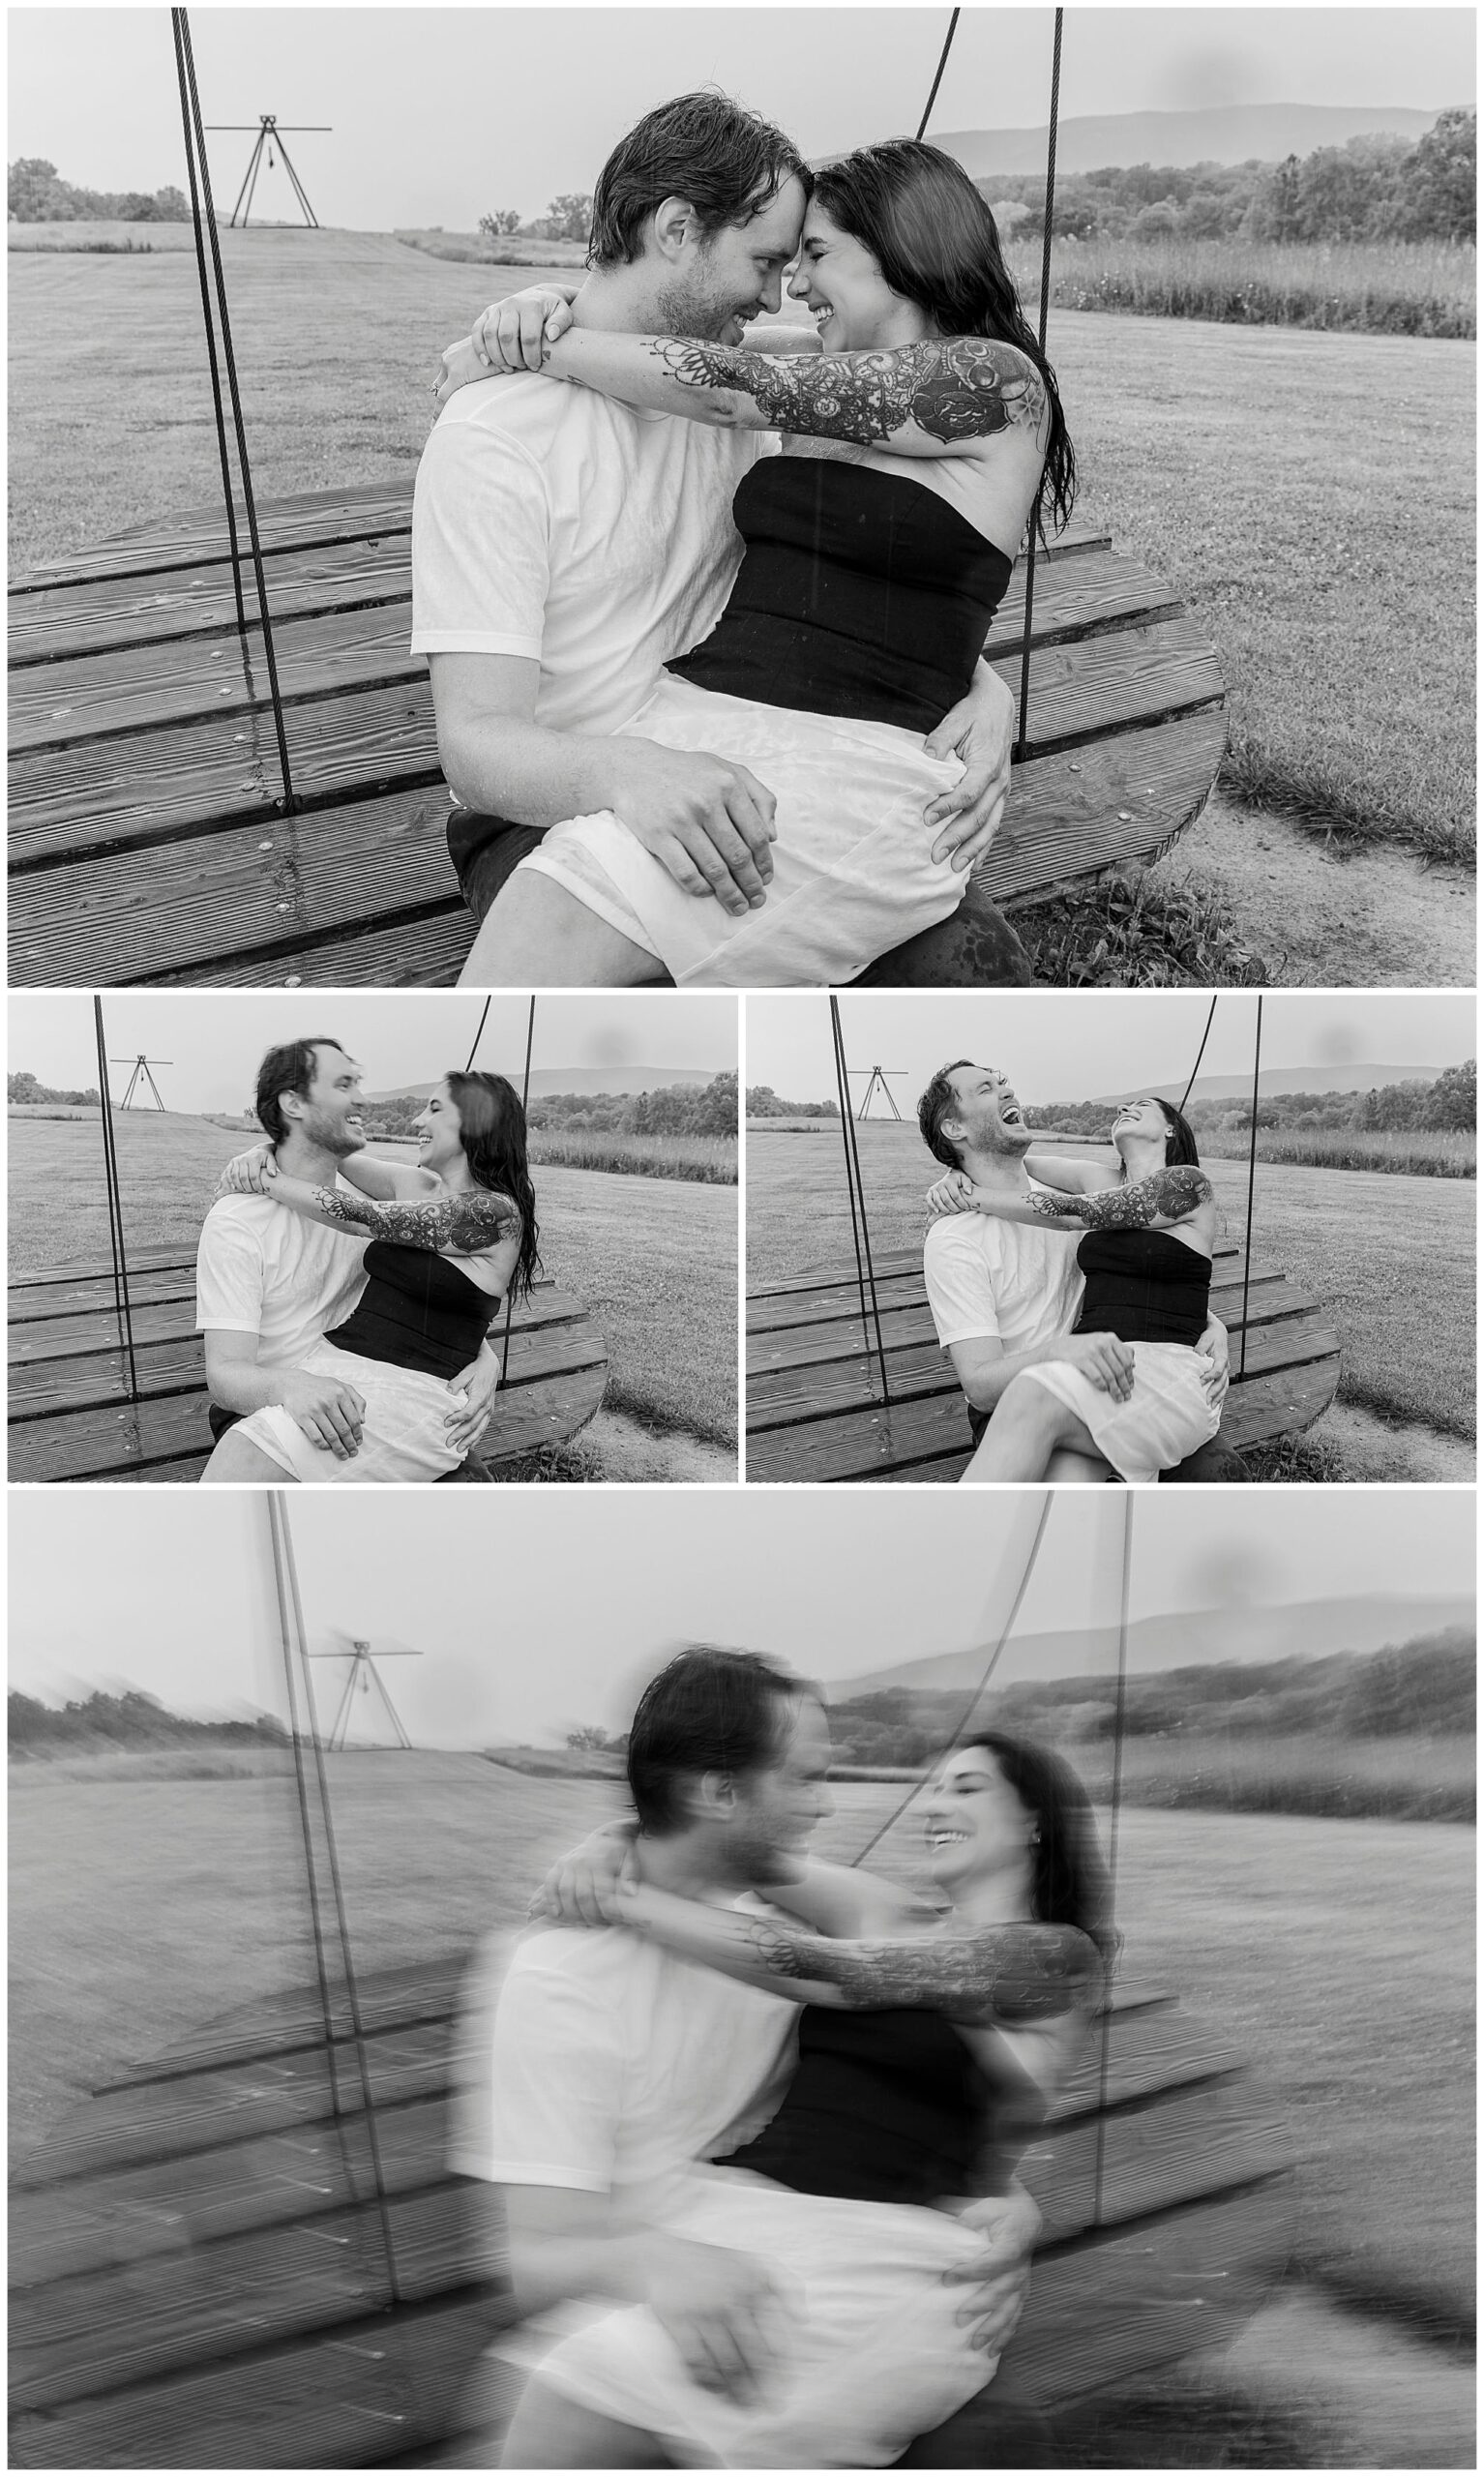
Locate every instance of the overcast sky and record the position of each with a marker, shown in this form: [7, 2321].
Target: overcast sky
[438, 114]
[539, 1609]
[213, 1043]
[1068, 1045]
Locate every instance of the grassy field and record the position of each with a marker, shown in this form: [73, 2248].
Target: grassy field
[1413, 1154]
[1337, 1953]
[1375, 288]
[710, 1161]
[654, 1259]
[1309, 495]
[1392, 1257]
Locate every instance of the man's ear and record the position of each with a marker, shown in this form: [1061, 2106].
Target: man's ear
[674, 226]
[290, 1104]
[715, 1796]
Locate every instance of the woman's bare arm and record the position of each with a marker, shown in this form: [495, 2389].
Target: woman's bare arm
[1156, 1203]
[469, 1221]
[1016, 1973]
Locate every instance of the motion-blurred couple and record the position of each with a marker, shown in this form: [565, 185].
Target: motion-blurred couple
[756, 2119]
[1081, 1363]
[717, 713]
[347, 1300]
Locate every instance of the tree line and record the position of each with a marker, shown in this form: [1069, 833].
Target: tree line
[675, 1109]
[1421, 1689]
[24, 1089]
[763, 1102]
[129, 1720]
[1450, 1102]
[1375, 188]
[37, 195]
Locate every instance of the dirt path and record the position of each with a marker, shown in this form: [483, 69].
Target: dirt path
[1376, 919]
[1396, 2401]
[1374, 1451]
[629, 1451]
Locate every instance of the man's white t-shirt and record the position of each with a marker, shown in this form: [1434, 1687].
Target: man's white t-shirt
[610, 2065]
[1007, 1281]
[595, 540]
[262, 1269]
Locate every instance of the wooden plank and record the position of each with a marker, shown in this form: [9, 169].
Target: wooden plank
[107, 795]
[104, 1443]
[904, 1322]
[233, 902]
[309, 519]
[426, 953]
[168, 1256]
[1084, 809]
[1107, 682]
[893, 1260]
[102, 696]
[816, 1308]
[161, 606]
[790, 1396]
[563, 1343]
[90, 1322]
[92, 1294]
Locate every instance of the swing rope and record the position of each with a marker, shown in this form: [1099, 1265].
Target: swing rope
[969, 1708]
[1046, 293]
[1121, 1700]
[1252, 1176]
[525, 1090]
[865, 1278]
[291, 1623]
[1199, 1054]
[478, 1037]
[122, 1305]
[942, 63]
[196, 159]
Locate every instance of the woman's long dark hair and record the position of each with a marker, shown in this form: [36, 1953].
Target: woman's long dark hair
[936, 244]
[492, 1127]
[1070, 1883]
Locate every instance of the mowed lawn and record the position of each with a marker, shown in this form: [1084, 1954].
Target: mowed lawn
[1392, 1257]
[655, 1259]
[1337, 1955]
[1309, 495]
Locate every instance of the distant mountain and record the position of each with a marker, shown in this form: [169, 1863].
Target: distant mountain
[1278, 1079]
[1229, 133]
[1306, 1629]
[569, 1079]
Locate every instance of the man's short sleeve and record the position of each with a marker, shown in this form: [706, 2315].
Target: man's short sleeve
[480, 528]
[960, 1291]
[543, 2078]
[229, 1273]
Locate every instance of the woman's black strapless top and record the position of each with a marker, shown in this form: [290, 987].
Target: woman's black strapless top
[1144, 1286]
[859, 595]
[417, 1310]
[884, 2107]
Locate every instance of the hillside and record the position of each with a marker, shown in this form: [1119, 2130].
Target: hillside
[566, 1079]
[1281, 1079]
[1229, 133]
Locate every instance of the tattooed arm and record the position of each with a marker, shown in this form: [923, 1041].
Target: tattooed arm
[1151, 1204]
[1012, 1974]
[471, 1221]
[941, 397]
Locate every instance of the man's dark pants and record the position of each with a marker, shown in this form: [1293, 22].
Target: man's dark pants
[976, 949]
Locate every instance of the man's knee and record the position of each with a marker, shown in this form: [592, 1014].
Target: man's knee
[974, 948]
[485, 852]
[1211, 1465]
[997, 2429]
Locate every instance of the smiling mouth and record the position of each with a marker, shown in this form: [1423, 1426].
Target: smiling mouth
[943, 1837]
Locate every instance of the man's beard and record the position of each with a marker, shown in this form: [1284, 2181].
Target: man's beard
[692, 310]
[334, 1136]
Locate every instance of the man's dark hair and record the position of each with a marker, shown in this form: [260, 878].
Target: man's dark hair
[707, 1710]
[725, 162]
[940, 1102]
[289, 1068]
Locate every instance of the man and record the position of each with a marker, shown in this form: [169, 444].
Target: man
[564, 548]
[1005, 1294]
[609, 2064]
[270, 1283]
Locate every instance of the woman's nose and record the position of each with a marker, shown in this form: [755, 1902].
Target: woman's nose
[798, 284]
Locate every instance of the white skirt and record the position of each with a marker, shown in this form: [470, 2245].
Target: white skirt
[853, 875]
[873, 2354]
[404, 1436]
[1166, 1416]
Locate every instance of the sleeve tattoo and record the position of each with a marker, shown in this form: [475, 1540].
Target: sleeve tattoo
[1170, 1195]
[479, 1217]
[1027, 1973]
[952, 388]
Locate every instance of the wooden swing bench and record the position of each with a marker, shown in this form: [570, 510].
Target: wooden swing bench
[71, 1417]
[814, 1411]
[198, 2259]
[149, 843]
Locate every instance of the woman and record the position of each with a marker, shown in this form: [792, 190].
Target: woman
[451, 1238]
[1146, 1266]
[877, 549]
[926, 2060]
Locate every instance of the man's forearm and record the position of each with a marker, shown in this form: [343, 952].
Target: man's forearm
[529, 775]
[982, 1389]
[243, 1386]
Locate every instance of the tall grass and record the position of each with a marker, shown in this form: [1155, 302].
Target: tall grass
[1409, 1151]
[708, 1160]
[1372, 288]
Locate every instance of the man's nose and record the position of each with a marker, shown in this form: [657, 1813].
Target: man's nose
[773, 290]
